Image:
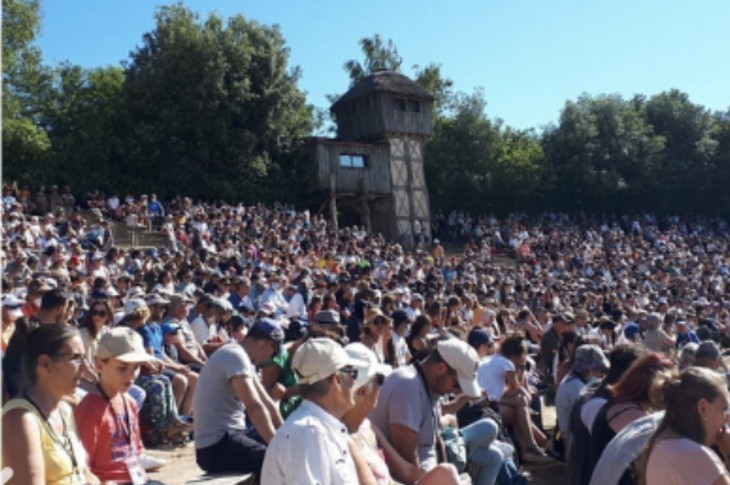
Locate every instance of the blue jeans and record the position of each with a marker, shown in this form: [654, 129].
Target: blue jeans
[478, 437]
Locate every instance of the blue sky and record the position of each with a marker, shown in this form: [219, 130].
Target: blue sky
[529, 56]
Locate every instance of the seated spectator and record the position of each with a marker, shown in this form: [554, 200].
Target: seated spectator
[108, 417]
[40, 442]
[685, 334]
[708, 355]
[304, 448]
[589, 365]
[369, 446]
[96, 323]
[591, 399]
[656, 339]
[183, 379]
[550, 342]
[189, 351]
[159, 411]
[408, 410]
[630, 400]
[618, 463]
[500, 378]
[229, 392]
[696, 419]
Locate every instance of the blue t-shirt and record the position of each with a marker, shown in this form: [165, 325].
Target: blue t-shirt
[152, 337]
[686, 338]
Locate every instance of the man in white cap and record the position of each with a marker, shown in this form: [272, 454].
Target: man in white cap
[312, 445]
[409, 410]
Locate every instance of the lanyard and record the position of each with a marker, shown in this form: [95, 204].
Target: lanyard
[432, 411]
[66, 444]
[126, 425]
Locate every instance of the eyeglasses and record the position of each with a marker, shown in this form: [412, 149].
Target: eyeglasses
[353, 373]
[76, 359]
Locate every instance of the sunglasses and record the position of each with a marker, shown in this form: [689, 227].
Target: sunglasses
[98, 313]
[353, 373]
[381, 322]
[379, 379]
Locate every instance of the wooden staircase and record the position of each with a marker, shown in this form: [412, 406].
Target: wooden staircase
[125, 236]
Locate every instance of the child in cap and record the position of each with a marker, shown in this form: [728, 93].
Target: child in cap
[108, 418]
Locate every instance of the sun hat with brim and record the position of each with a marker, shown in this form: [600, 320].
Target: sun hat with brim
[374, 313]
[590, 357]
[327, 317]
[319, 358]
[371, 369]
[124, 344]
[461, 357]
[155, 299]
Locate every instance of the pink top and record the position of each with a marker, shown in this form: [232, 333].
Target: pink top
[678, 461]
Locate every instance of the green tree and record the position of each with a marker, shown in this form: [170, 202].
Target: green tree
[686, 168]
[379, 55]
[602, 155]
[431, 78]
[214, 104]
[26, 88]
[86, 117]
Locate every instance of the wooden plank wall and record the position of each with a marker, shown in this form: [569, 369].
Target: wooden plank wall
[374, 178]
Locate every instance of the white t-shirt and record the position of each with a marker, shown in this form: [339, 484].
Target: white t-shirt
[402, 355]
[492, 375]
[200, 330]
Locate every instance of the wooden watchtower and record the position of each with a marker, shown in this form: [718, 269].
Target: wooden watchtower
[373, 171]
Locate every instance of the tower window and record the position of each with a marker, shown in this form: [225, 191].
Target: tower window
[352, 161]
[414, 105]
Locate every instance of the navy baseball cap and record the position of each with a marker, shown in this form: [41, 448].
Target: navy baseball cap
[479, 336]
[270, 328]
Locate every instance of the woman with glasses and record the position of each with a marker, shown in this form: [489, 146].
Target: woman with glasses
[375, 331]
[40, 443]
[97, 322]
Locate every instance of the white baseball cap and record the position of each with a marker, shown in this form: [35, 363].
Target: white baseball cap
[371, 369]
[13, 305]
[461, 357]
[319, 358]
[132, 304]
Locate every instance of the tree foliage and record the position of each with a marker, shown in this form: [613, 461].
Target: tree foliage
[214, 105]
[379, 55]
[26, 87]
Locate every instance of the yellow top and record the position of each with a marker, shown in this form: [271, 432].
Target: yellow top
[58, 462]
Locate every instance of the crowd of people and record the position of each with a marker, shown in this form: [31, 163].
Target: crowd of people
[303, 355]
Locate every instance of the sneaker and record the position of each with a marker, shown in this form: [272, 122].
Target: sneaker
[150, 463]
